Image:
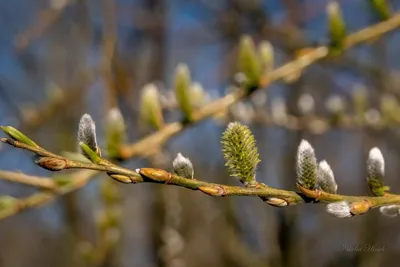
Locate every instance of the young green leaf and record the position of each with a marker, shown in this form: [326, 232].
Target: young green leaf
[89, 153]
[18, 136]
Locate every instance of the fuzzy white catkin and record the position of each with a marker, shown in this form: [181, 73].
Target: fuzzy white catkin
[325, 178]
[339, 209]
[87, 132]
[376, 164]
[183, 166]
[390, 210]
[306, 165]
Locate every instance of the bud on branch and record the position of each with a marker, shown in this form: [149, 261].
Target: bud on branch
[306, 166]
[240, 153]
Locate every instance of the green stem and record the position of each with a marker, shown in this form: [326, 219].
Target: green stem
[152, 175]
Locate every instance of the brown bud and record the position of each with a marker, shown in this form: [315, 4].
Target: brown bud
[357, 208]
[216, 191]
[155, 174]
[277, 202]
[307, 192]
[123, 178]
[51, 164]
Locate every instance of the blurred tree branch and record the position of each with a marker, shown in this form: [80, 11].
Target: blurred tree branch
[44, 20]
[39, 182]
[79, 180]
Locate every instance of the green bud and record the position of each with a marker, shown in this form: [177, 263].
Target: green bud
[266, 55]
[197, 95]
[114, 127]
[182, 90]
[248, 62]
[150, 108]
[381, 8]
[337, 27]
[18, 136]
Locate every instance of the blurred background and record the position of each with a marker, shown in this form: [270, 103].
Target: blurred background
[63, 58]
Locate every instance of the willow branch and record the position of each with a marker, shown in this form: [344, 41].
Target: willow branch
[152, 175]
[308, 57]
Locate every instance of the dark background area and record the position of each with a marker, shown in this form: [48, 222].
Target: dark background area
[59, 51]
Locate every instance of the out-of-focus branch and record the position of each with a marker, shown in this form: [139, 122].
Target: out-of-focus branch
[78, 180]
[34, 118]
[108, 50]
[308, 57]
[40, 182]
[44, 20]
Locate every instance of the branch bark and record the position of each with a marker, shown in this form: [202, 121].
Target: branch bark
[152, 175]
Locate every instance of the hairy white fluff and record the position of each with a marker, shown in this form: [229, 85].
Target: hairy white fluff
[339, 209]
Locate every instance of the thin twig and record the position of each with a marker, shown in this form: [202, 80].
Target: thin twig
[161, 176]
[78, 180]
[36, 117]
[44, 20]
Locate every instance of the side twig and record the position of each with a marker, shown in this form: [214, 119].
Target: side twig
[40, 182]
